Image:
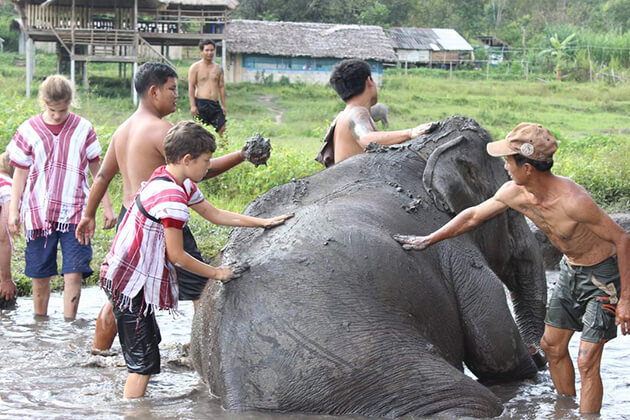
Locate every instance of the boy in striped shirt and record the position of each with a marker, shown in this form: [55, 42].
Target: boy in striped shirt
[139, 271]
[51, 153]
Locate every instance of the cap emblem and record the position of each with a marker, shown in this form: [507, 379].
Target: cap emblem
[527, 149]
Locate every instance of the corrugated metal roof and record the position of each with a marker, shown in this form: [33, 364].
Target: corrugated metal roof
[428, 39]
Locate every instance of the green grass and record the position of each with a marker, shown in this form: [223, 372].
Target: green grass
[591, 121]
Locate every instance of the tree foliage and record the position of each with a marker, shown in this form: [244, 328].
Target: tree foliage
[502, 18]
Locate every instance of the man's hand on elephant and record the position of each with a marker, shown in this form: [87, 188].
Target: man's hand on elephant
[425, 128]
[257, 150]
[277, 221]
[412, 243]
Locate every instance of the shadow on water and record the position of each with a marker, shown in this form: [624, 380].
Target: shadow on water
[47, 371]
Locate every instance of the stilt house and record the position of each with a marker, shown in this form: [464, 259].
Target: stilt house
[118, 31]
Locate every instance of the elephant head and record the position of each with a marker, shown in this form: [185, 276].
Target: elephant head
[460, 174]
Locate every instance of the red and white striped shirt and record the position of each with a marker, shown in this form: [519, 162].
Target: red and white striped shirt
[137, 258]
[5, 189]
[56, 188]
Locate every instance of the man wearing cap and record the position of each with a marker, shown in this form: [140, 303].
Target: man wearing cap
[590, 296]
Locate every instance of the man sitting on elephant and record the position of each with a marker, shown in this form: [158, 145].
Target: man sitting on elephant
[354, 129]
[590, 293]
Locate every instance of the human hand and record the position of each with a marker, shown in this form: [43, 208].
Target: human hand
[85, 230]
[622, 316]
[257, 150]
[14, 222]
[278, 220]
[425, 128]
[194, 111]
[412, 243]
[224, 111]
[8, 291]
[226, 273]
[109, 219]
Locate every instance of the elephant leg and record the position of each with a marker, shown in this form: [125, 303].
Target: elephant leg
[494, 348]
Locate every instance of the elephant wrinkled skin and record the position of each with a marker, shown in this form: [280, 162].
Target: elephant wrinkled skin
[335, 317]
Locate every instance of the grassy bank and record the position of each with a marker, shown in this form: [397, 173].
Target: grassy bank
[591, 121]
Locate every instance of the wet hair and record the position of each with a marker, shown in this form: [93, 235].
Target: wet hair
[152, 74]
[187, 138]
[5, 164]
[348, 78]
[205, 42]
[537, 164]
[56, 88]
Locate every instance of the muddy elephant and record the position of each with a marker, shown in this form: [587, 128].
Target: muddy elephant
[335, 317]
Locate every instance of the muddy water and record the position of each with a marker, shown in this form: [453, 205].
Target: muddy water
[46, 371]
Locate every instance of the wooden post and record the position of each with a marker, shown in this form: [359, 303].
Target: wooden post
[72, 63]
[223, 56]
[29, 64]
[85, 74]
[590, 64]
[133, 77]
[136, 38]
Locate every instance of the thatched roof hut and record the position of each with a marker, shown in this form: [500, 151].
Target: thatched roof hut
[295, 39]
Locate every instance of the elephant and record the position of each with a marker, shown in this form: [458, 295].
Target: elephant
[334, 317]
[380, 112]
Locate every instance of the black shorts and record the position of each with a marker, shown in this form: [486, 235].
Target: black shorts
[190, 284]
[210, 112]
[139, 336]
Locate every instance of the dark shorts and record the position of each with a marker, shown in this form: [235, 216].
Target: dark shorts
[139, 337]
[573, 304]
[41, 255]
[210, 112]
[190, 285]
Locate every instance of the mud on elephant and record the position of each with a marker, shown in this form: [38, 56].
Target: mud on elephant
[335, 317]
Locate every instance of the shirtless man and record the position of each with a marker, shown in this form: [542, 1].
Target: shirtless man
[354, 129]
[136, 150]
[205, 85]
[592, 294]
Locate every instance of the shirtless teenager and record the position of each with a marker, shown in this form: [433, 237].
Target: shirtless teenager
[136, 150]
[205, 85]
[592, 294]
[354, 129]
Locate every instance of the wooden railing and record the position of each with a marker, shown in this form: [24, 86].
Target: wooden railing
[160, 21]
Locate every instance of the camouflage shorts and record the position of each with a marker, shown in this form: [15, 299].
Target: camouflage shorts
[573, 304]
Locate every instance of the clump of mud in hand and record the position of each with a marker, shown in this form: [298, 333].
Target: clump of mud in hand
[257, 150]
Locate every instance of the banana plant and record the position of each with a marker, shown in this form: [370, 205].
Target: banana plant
[560, 52]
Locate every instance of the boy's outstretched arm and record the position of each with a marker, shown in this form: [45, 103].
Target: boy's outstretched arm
[227, 218]
[463, 222]
[177, 256]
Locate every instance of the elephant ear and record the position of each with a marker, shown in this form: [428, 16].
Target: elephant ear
[459, 174]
